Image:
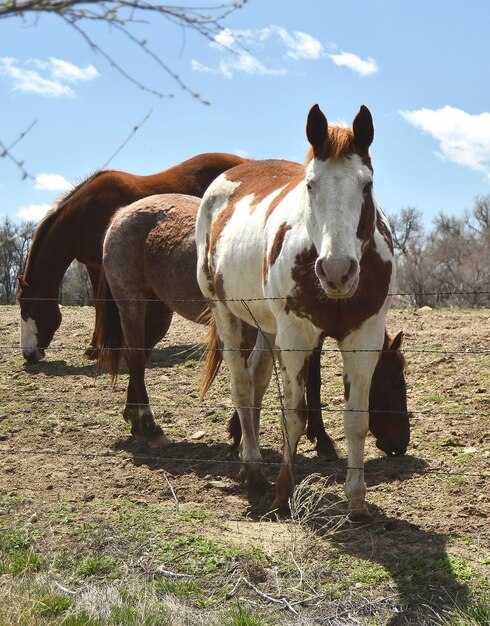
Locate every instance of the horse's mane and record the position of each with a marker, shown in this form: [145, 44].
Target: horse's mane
[51, 218]
[340, 143]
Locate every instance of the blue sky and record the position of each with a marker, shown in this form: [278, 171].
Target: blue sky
[422, 67]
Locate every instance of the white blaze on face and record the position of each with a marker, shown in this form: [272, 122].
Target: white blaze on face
[335, 198]
[28, 338]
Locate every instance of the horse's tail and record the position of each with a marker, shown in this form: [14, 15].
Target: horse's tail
[108, 330]
[213, 358]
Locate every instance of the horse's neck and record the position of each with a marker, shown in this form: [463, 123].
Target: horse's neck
[51, 258]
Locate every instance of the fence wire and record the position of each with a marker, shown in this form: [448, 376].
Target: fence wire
[339, 466]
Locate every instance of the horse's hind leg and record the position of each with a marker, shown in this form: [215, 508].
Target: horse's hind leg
[138, 411]
[229, 331]
[234, 428]
[315, 429]
[91, 351]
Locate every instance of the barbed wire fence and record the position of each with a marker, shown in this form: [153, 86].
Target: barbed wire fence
[278, 406]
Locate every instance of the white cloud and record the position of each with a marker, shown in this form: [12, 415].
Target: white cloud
[463, 138]
[33, 212]
[248, 64]
[45, 78]
[52, 182]
[364, 67]
[249, 51]
[63, 70]
[300, 45]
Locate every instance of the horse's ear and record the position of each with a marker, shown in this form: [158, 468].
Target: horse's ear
[363, 128]
[317, 131]
[397, 342]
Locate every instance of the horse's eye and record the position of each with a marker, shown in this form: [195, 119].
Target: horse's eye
[309, 186]
[367, 188]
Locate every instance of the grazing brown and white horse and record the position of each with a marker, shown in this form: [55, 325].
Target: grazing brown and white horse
[149, 254]
[302, 253]
[75, 228]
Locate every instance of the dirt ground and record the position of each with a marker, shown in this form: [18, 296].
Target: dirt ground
[62, 433]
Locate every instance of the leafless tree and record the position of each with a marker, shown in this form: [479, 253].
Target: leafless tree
[450, 264]
[76, 289]
[14, 245]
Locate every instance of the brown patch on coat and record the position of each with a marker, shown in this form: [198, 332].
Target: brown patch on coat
[205, 267]
[346, 388]
[384, 231]
[367, 221]
[276, 248]
[258, 179]
[338, 318]
[303, 373]
[261, 178]
[219, 286]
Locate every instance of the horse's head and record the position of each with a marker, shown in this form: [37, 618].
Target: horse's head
[340, 215]
[388, 415]
[40, 318]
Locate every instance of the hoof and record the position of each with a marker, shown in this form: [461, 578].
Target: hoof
[151, 433]
[361, 515]
[91, 352]
[256, 485]
[159, 442]
[281, 506]
[326, 450]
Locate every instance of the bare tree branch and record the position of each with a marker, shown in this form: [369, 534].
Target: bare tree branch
[121, 15]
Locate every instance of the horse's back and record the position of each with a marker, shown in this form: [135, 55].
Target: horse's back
[150, 249]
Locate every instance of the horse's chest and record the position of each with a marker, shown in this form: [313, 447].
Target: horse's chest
[337, 318]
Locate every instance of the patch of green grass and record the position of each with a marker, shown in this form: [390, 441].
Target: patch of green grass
[18, 554]
[196, 554]
[50, 603]
[361, 572]
[471, 612]
[186, 589]
[82, 618]
[241, 616]
[195, 516]
[99, 565]
[133, 616]
[453, 483]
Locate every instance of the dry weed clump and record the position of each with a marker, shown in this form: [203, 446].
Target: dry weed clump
[315, 503]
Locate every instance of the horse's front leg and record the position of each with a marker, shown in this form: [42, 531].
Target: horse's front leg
[360, 353]
[295, 348]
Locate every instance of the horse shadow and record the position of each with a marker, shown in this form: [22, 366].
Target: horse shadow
[170, 356]
[414, 558]
[221, 459]
[60, 367]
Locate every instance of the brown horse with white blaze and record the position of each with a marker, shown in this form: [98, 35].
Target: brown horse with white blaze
[75, 228]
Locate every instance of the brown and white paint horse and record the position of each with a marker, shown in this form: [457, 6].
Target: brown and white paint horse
[75, 228]
[149, 264]
[303, 253]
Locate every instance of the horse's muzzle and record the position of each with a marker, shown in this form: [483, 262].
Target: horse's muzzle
[392, 447]
[33, 355]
